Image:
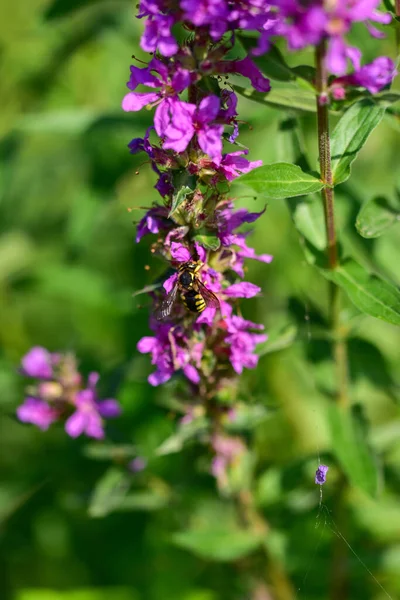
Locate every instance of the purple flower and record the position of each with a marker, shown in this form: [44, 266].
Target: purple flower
[157, 34]
[37, 412]
[373, 76]
[212, 13]
[244, 289]
[242, 343]
[320, 475]
[38, 363]
[233, 165]
[155, 220]
[51, 399]
[177, 122]
[170, 353]
[309, 23]
[87, 417]
[169, 84]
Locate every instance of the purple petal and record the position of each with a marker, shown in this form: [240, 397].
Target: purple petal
[243, 289]
[135, 101]
[191, 373]
[207, 316]
[94, 426]
[147, 344]
[37, 363]
[109, 409]
[179, 252]
[208, 110]
[336, 56]
[159, 377]
[201, 252]
[75, 425]
[37, 412]
[170, 282]
[210, 141]
[141, 77]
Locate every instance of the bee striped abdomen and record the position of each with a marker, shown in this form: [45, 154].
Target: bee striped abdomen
[193, 301]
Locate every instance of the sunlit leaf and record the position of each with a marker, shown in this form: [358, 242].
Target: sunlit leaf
[376, 216]
[350, 135]
[284, 96]
[179, 198]
[351, 449]
[371, 294]
[218, 544]
[308, 216]
[281, 180]
[208, 240]
[109, 492]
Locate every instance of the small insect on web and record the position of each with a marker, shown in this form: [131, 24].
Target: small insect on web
[320, 479]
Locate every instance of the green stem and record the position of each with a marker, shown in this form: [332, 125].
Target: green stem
[339, 570]
[340, 349]
[325, 152]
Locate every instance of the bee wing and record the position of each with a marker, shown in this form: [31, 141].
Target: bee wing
[210, 299]
[165, 308]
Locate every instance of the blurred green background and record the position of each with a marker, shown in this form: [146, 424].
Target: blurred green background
[68, 268]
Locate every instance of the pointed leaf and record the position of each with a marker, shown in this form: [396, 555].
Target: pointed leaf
[208, 240]
[349, 445]
[109, 492]
[350, 135]
[281, 180]
[179, 198]
[308, 216]
[288, 96]
[218, 544]
[371, 294]
[375, 216]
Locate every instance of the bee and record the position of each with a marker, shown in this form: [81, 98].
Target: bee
[192, 291]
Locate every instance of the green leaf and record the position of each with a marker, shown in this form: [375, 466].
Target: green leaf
[208, 240]
[281, 180]
[185, 433]
[287, 96]
[218, 544]
[147, 289]
[371, 294]
[375, 217]
[349, 444]
[308, 216]
[350, 135]
[271, 64]
[179, 198]
[109, 492]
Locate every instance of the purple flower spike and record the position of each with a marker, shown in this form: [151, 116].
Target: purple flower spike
[320, 475]
[38, 363]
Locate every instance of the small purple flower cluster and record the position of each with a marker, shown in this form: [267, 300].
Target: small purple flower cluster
[60, 394]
